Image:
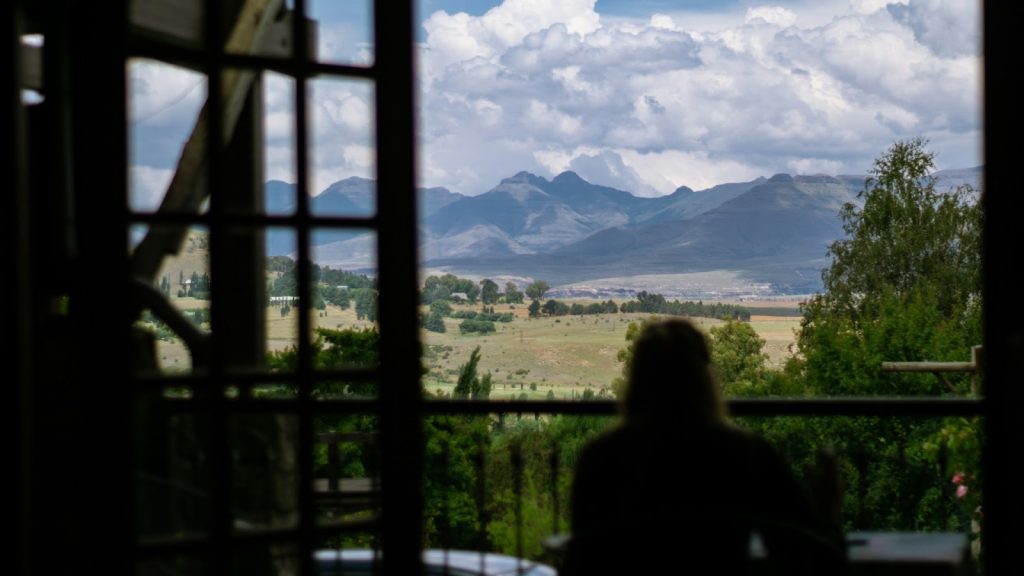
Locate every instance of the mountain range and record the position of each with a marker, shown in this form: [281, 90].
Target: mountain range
[768, 234]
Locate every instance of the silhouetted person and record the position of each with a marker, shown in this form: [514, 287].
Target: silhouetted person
[675, 489]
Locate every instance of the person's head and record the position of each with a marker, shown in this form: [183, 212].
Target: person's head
[670, 378]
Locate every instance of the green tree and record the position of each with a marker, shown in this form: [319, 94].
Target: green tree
[488, 291]
[366, 304]
[537, 290]
[434, 323]
[534, 309]
[906, 235]
[478, 326]
[512, 293]
[471, 385]
[903, 284]
[625, 356]
[441, 308]
[737, 352]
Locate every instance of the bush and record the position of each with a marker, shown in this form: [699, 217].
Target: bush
[477, 326]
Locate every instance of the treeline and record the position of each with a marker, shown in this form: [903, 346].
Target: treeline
[559, 308]
[657, 304]
[337, 287]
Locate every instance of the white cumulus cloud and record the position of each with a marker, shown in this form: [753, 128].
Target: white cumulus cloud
[651, 105]
[646, 104]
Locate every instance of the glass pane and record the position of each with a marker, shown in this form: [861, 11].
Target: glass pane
[282, 309]
[180, 325]
[343, 153]
[345, 315]
[344, 31]
[279, 164]
[164, 102]
[346, 468]
[688, 161]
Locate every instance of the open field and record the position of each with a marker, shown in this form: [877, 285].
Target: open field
[565, 355]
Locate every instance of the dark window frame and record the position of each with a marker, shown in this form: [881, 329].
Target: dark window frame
[401, 408]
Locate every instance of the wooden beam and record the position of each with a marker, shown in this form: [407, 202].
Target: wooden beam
[188, 190]
[929, 367]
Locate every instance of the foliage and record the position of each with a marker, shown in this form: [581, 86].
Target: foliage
[336, 287]
[512, 293]
[331, 277]
[903, 285]
[488, 291]
[366, 304]
[199, 286]
[555, 308]
[476, 326]
[625, 356]
[434, 323]
[657, 304]
[737, 355]
[906, 236]
[442, 288]
[470, 385]
[536, 290]
[534, 309]
[279, 264]
[441, 308]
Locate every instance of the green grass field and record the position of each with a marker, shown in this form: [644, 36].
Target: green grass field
[565, 355]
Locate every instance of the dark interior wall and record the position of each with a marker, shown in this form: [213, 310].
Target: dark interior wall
[1004, 313]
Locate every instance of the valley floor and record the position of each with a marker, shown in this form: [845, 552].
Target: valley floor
[565, 355]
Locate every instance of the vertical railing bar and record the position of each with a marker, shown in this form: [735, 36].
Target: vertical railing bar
[481, 495]
[517, 474]
[554, 460]
[446, 510]
[333, 463]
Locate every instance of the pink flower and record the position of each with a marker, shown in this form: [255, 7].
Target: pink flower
[961, 491]
[958, 478]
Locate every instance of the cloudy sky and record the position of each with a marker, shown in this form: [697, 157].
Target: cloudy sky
[643, 95]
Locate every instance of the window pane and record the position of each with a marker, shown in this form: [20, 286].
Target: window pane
[282, 308]
[695, 161]
[164, 104]
[181, 325]
[342, 152]
[344, 31]
[346, 455]
[279, 160]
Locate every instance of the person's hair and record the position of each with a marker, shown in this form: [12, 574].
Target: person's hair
[670, 379]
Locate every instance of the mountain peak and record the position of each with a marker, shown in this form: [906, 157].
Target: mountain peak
[524, 177]
[781, 178]
[568, 177]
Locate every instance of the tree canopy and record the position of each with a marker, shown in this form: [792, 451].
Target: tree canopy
[537, 290]
[906, 235]
[903, 285]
